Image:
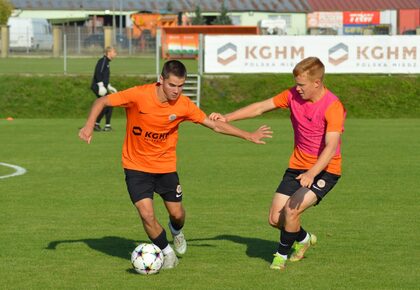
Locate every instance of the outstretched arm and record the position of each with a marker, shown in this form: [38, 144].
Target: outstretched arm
[227, 129]
[86, 132]
[249, 111]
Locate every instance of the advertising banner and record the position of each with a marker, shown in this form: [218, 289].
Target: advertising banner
[340, 54]
[361, 17]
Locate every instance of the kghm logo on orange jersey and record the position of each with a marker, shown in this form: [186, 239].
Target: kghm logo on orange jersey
[150, 136]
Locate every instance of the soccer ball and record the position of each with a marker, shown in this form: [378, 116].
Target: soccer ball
[147, 259]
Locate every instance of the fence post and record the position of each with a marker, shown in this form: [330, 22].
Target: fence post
[107, 36]
[4, 41]
[57, 39]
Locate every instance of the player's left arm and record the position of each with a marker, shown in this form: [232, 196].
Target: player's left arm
[332, 139]
[227, 129]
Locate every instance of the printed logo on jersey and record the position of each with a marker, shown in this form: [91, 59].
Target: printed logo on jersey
[149, 135]
[321, 183]
[172, 117]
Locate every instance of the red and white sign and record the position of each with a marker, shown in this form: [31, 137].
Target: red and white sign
[361, 17]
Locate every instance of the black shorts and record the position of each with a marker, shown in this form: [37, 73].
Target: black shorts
[323, 183]
[143, 185]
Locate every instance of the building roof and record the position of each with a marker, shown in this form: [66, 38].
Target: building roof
[164, 6]
[353, 5]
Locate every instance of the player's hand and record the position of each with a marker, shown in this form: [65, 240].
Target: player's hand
[306, 179]
[217, 117]
[111, 89]
[101, 89]
[86, 134]
[263, 132]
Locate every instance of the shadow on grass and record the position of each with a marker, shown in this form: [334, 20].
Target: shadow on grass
[122, 247]
[112, 246]
[256, 248]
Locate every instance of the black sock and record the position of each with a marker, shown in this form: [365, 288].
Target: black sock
[286, 241]
[176, 226]
[161, 241]
[302, 235]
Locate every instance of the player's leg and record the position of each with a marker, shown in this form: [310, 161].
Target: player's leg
[287, 187]
[171, 192]
[323, 183]
[140, 186]
[98, 121]
[276, 214]
[108, 115]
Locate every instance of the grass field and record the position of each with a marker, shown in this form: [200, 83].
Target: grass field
[68, 222]
[83, 66]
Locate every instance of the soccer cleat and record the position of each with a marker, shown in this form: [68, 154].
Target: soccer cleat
[180, 244]
[107, 129]
[170, 261]
[299, 249]
[97, 128]
[279, 263]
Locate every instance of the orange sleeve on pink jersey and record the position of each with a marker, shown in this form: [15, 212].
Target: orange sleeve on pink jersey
[335, 115]
[282, 100]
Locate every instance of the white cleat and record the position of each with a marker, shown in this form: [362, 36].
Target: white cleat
[180, 244]
[170, 261]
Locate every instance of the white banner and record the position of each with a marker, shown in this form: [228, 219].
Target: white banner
[340, 54]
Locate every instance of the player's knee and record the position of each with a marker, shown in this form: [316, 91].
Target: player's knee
[291, 213]
[178, 215]
[273, 221]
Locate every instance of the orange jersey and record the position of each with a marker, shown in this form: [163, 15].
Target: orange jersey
[310, 123]
[152, 127]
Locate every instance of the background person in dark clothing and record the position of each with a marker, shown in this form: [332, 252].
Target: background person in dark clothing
[101, 86]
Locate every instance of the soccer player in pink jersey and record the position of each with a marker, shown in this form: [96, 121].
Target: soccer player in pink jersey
[317, 117]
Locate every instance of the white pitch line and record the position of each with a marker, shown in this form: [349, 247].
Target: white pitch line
[19, 170]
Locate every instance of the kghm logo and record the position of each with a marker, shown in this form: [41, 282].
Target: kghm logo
[226, 54]
[338, 54]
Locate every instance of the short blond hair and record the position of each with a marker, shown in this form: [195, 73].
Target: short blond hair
[108, 49]
[313, 66]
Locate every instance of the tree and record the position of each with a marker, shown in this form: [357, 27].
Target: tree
[198, 18]
[6, 9]
[223, 18]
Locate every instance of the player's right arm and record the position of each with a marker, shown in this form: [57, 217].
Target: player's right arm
[247, 112]
[85, 133]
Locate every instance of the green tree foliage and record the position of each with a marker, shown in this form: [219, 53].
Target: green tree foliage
[223, 18]
[198, 18]
[5, 11]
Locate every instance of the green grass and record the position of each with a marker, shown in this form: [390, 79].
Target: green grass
[82, 66]
[68, 222]
[369, 96]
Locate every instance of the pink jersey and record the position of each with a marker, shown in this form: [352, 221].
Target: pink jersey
[310, 122]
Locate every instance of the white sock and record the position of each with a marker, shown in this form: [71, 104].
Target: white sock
[306, 239]
[284, 256]
[107, 125]
[173, 231]
[167, 250]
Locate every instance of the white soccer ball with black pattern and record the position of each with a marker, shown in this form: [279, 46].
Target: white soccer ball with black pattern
[147, 259]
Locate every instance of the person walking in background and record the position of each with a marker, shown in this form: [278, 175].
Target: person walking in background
[154, 112]
[317, 117]
[101, 86]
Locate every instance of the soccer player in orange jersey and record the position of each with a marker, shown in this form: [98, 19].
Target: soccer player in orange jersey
[154, 112]
[317, 117]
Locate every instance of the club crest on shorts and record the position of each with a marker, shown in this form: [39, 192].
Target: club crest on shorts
[172, 117]
[179, 189]
[321, 183]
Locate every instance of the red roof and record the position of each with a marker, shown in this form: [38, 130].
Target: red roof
[352, 5]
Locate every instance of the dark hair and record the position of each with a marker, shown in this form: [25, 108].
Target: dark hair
[174, 67]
